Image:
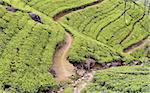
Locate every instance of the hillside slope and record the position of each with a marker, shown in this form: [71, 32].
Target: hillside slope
[103, 31]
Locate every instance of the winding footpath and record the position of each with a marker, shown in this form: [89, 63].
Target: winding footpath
[61, 65]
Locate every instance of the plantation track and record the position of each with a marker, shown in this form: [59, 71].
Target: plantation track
[57, 16]
[63, 69]
[137, 45]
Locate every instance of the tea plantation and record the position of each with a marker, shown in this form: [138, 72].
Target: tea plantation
[26, 50]
[125, 79]
[104, 30]
[105, 23]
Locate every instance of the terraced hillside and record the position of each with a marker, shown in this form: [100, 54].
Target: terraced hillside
[125, 79]
[26, 52]
[108, 25]
[38, 39]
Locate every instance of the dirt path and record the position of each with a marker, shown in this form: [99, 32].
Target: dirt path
[130, 49]
[61, 14]
[63, 69]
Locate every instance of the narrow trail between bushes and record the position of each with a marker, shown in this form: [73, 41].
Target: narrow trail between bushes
[141, 43]
[61, 66]
[61, 14]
